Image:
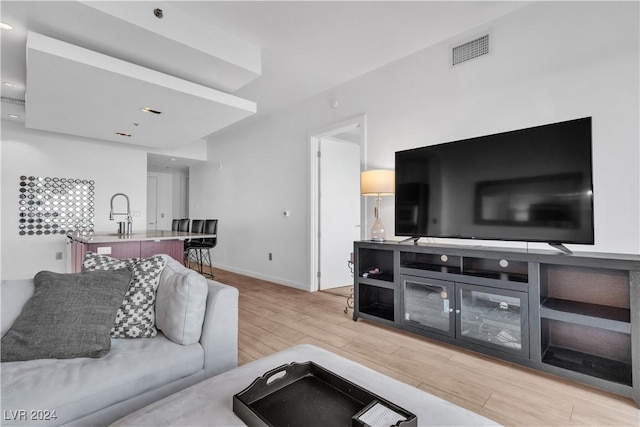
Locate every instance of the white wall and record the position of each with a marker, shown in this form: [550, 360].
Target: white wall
[115, 168]
[550, 61]
[164, 198]
[247, 186]
[180, 195]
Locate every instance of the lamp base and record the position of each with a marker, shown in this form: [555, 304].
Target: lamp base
[377, 232]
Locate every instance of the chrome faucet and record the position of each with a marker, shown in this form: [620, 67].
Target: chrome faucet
[129, 230]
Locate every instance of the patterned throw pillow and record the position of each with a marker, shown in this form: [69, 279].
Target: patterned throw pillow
[136, 316]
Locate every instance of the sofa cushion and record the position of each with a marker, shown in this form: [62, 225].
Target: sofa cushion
[181, 303]
[69, 315]
[136, 316]
[78, 387]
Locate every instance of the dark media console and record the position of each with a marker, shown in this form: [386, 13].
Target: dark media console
[575, 315]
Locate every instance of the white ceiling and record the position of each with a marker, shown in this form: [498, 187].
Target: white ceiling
[307, 46]
[311, 46]
[79, 91]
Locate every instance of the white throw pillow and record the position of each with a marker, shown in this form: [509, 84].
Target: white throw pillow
[181, 303]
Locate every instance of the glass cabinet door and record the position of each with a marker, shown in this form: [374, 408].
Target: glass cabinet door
[428, 304]
[494, 318]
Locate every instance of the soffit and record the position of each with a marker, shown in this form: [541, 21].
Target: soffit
[179, 62]
[77, 91]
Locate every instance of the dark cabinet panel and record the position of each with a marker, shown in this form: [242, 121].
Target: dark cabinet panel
[495, 318]
[429, 304]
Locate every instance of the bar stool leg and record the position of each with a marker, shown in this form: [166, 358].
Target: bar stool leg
[210, 264]
[208, 259]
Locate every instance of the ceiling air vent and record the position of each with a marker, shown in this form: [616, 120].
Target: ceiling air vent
[471, 50]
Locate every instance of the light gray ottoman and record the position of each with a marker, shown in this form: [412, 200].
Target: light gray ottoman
[210, 402]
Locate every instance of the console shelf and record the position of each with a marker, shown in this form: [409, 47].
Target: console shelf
[376, 299]
[432, 267]
[383, 311]
[511, 277]
[575, 315]
[384, 277]
[496, 269]
[600, 316]
[589, 364]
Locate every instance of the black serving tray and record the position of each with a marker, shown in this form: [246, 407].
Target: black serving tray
[306, 395]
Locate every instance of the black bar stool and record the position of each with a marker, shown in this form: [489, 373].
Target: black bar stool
[208, 243]
[197, 226]
[183, 224]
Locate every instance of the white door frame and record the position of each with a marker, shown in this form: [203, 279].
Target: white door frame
[314, 138]
[155, 200]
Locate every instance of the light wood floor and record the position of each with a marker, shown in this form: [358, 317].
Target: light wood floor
[274, 317]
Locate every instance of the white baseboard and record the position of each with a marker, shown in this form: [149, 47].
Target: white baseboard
[278, 280]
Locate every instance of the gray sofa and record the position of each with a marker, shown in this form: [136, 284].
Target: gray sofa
[135, 372]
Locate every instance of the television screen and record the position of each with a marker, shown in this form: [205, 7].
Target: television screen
[532, 185]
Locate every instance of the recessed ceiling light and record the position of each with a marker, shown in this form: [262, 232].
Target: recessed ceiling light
[128, 135]
[172, 159]
[5, 26]
[9, 84]
[150, 110]
[14, 116]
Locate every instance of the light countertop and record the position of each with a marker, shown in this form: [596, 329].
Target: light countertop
[141, 235]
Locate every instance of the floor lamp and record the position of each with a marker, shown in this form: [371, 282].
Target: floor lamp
[377, 182]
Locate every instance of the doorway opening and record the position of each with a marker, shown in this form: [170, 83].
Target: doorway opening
[337, 154]
[167, 190]
[152, 202]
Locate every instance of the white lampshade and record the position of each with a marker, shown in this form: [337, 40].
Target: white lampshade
[377, 182]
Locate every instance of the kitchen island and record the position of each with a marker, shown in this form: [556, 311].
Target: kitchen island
[142, 244]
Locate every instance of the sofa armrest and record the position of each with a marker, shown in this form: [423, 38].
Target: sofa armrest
[220, 329]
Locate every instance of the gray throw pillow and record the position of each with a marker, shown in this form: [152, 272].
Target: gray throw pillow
[69, 315]
[136, 317]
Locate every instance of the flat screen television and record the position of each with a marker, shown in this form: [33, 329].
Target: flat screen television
[532, 185]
